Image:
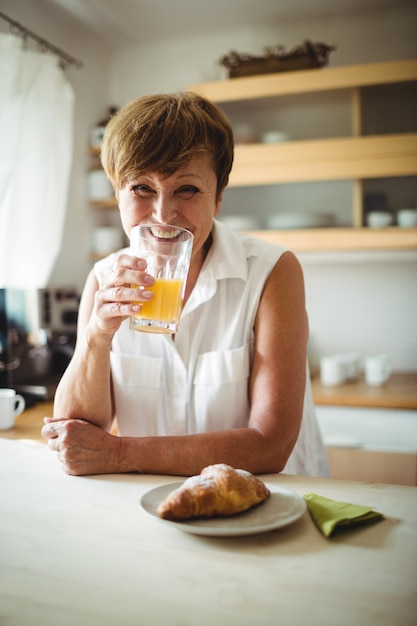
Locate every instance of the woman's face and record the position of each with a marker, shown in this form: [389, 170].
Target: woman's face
[186, 198]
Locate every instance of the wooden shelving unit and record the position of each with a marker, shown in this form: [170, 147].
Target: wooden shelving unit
[330, 159]
[342, 239]
[304, 81]
[107, 203]
[357, 157]
[400, 392]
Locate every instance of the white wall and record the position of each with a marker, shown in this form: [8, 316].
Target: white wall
[363, 302]
[175, 64]
[91, 86]
[367, 305]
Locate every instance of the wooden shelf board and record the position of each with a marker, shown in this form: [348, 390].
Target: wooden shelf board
[400, 392]
[330, 159]
[341, 239]
[107, 203]
[303, 81]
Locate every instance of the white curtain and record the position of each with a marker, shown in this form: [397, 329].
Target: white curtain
[36, 137]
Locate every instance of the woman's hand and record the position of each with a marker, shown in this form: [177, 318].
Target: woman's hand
[83, 448]
[116, 298]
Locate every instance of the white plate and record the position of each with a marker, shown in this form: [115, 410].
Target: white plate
[284, 221]
[283, 507]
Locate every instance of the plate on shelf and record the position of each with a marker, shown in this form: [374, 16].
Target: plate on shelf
[282, 508]
[300, 220]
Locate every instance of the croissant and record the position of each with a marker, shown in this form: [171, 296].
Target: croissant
[220, 490]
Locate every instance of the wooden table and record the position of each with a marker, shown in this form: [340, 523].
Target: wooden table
[81, 550]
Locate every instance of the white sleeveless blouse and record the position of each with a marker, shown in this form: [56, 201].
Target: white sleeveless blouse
[199, 382]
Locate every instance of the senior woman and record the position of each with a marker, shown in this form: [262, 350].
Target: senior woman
[232, 385]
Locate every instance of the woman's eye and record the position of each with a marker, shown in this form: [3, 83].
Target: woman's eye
[142, 190]
[187, 191]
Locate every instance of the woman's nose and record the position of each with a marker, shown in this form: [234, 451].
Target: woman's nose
[164, 210]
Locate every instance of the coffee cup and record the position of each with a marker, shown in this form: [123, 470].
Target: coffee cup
[377, 370]
[11, 405]
[407, 218]
[379, 219]
[333, 371]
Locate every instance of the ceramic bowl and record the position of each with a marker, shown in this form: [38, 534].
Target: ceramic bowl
[378, 219]
[407, 218]
[274, 136]
[283, 221]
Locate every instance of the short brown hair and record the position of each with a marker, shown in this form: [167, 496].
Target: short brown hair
[159, 133]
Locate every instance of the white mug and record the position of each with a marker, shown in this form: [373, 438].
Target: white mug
[333, 371]
[11, 405]
[377, 370]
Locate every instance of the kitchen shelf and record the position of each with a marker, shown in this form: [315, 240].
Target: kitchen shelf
[305, 81]
[357, 157]
[324, 239]
[106, 203]
[342, 239]
[399, 392]
[330, 159]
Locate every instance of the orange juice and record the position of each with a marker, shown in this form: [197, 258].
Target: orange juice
[166, 303]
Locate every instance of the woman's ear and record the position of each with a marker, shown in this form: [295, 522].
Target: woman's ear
[218, 203]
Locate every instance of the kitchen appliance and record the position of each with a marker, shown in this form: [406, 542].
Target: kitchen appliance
[37, 339]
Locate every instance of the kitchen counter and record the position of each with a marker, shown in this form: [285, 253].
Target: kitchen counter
[81, 550]
[28, 424]
[399, 392]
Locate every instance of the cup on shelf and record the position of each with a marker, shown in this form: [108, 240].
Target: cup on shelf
[377, 370]
[379, 219]
[274, 136]
[333, 371]
[98, 185]
[407, 218]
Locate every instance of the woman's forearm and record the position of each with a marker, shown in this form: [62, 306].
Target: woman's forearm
[186, 455]
[85, 390]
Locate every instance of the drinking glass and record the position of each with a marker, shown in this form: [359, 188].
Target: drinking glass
[167, 252]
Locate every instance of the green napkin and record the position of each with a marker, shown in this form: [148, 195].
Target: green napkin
[331, 516]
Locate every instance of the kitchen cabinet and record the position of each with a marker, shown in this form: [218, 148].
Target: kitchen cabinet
[357, 157]
[370, 433]
[394, 468]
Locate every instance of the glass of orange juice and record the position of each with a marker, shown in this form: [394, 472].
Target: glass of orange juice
[167, 252]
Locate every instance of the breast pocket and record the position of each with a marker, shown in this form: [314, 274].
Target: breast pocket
[221, 389]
